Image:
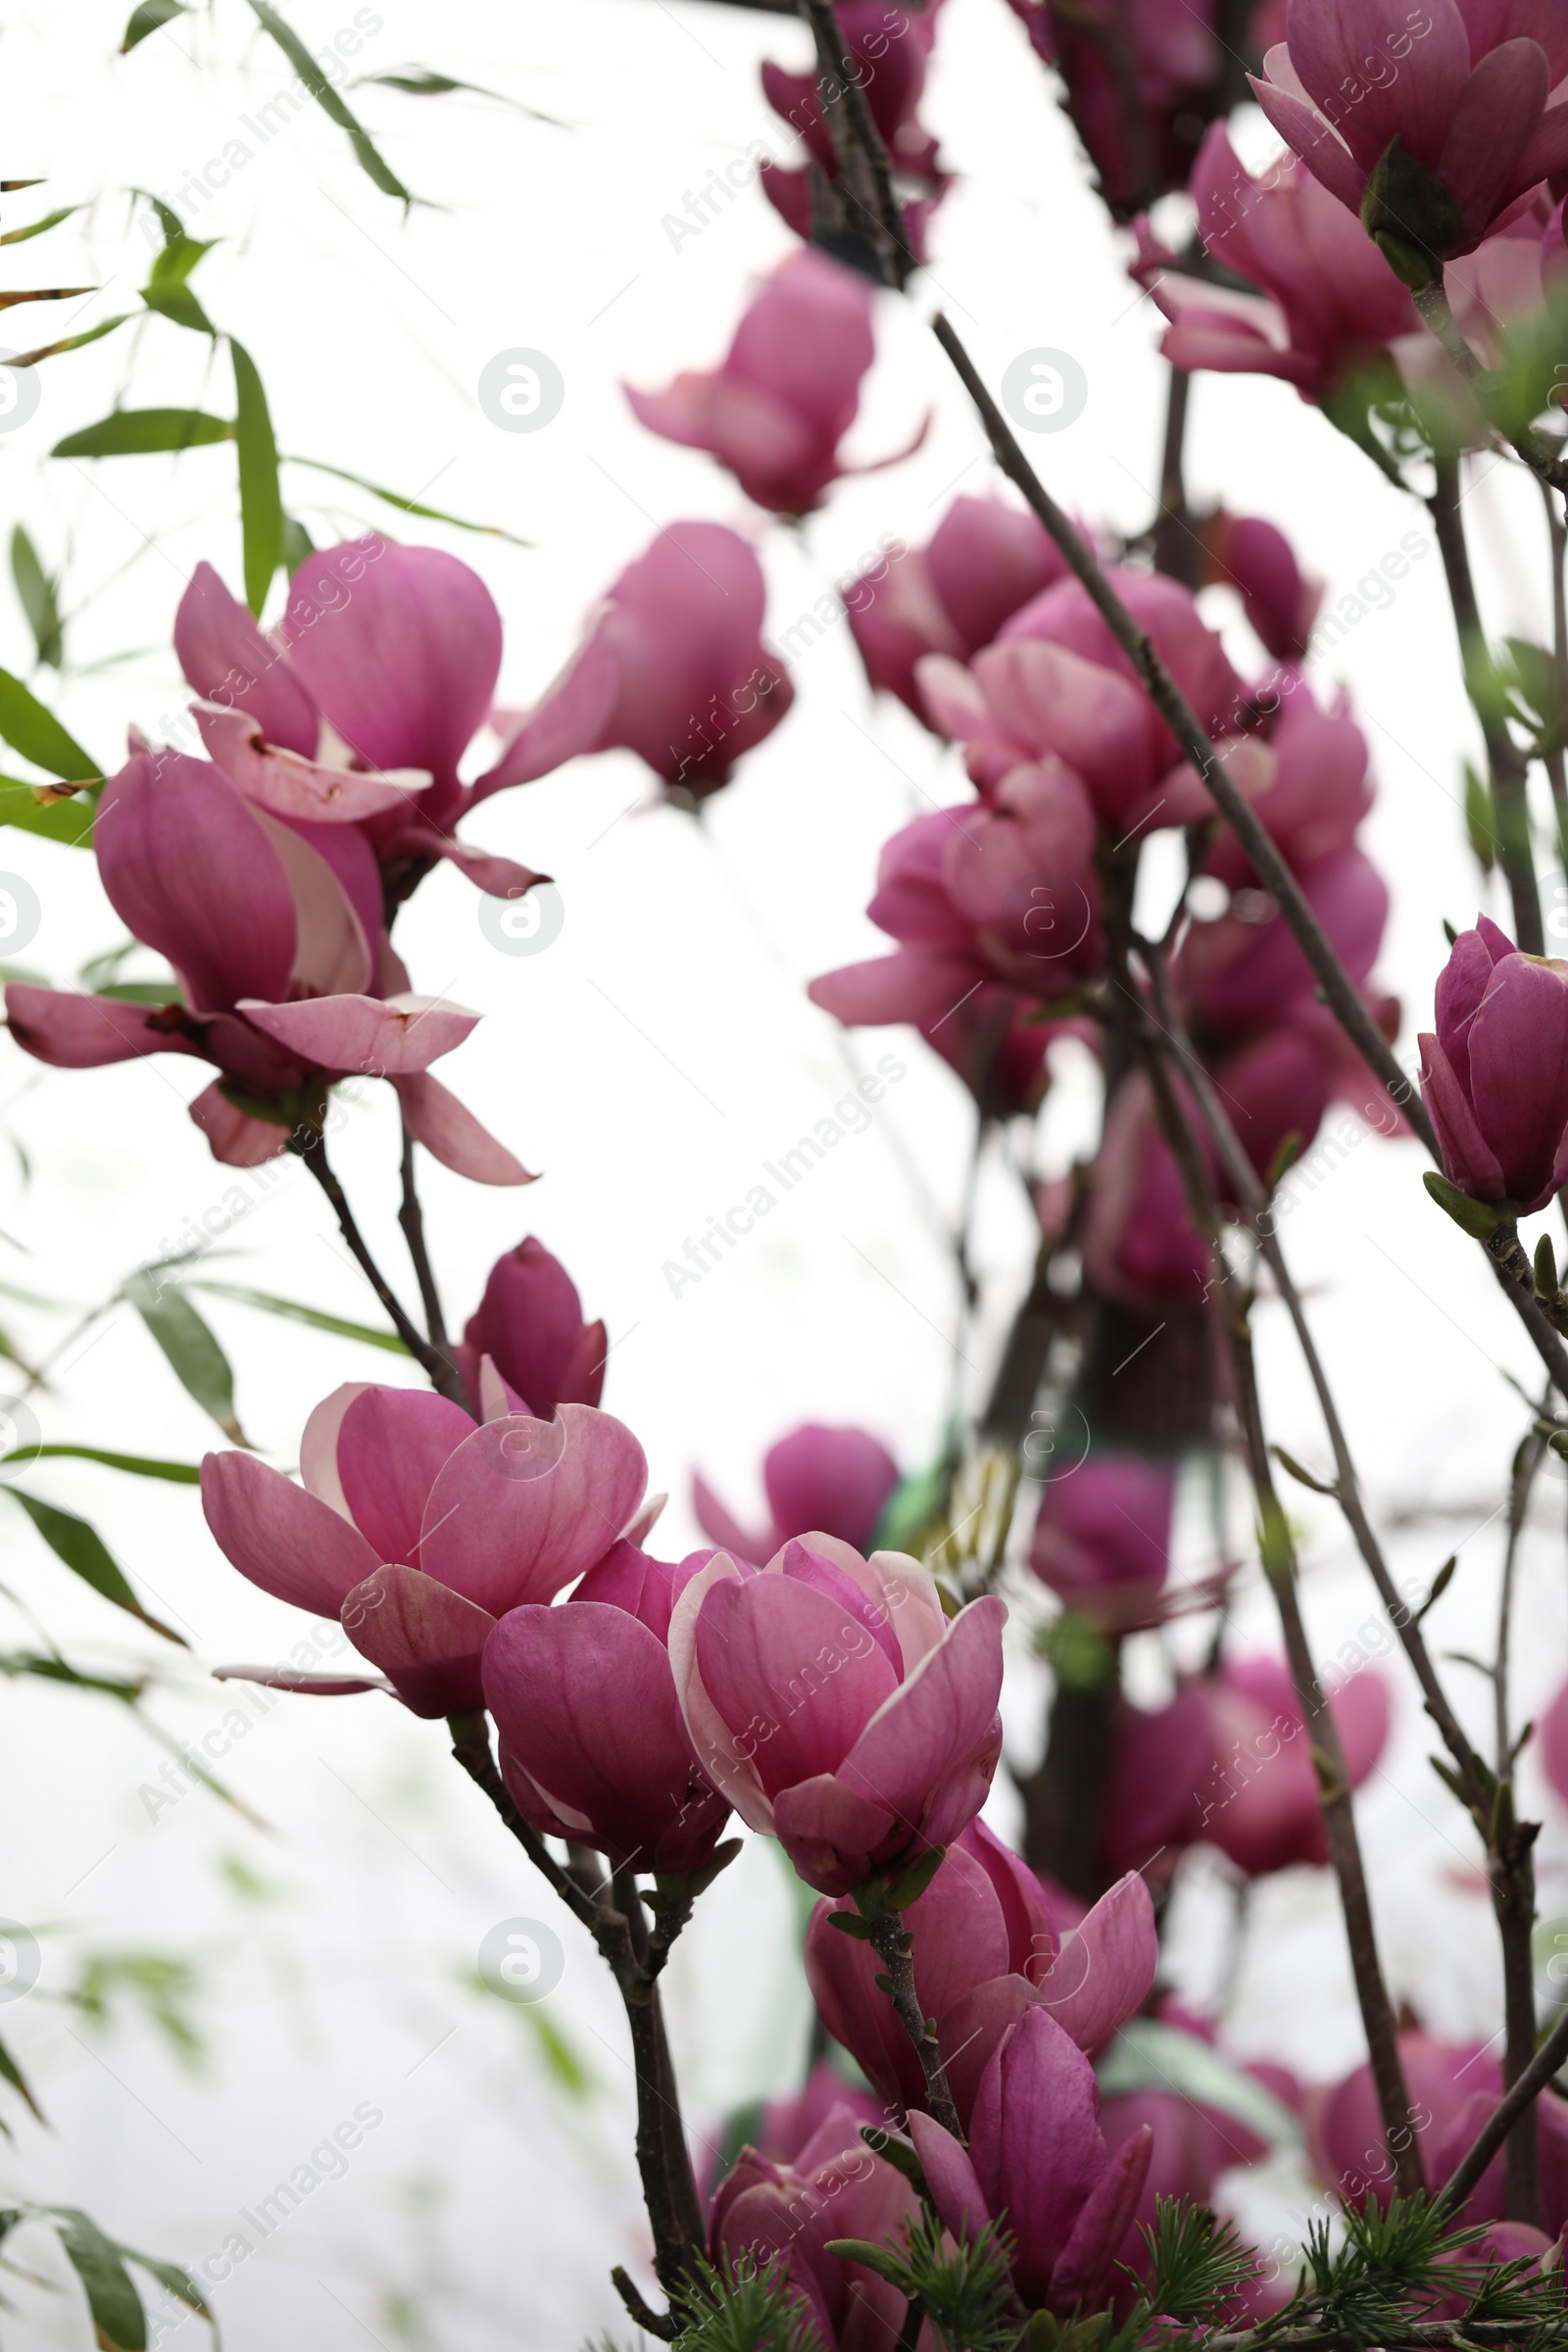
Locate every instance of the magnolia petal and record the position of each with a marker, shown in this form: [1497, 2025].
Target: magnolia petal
[427, 1639]
[451, 1133]
[236, 1137]
[280, 1536]
[522, 1506]
[292, 786]
[395, 1036]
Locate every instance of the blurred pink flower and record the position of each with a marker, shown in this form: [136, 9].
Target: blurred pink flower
[835, 1479]
[887, 49]
[984, 561]
[1101, 1538]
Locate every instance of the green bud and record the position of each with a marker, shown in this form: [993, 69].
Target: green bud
[1480, 1219]
[1545, 1269]
[1411, 215]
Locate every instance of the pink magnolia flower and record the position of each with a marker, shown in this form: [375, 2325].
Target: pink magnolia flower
[1308, 781]
[592, 1743]
[1552, 1741]
[1229, 1763]
[991, 905]
[985, 561]
[1245, 552]
[1463, 86]
[1243, 971]
[836, 1707]
[530, 1324]
[1454, 2087]
[358, 707]
[990, 1943]
[887, 49]
[285, 980]
[1101, 1538]
[836, 1479]
[787, 2213]
[783, 2126]
[1495, 1078]
[777, 408]
[1037, 2161]
[1327, 304]
[419, 1528]
[672, 667]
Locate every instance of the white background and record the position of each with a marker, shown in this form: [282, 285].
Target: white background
[646, 1064]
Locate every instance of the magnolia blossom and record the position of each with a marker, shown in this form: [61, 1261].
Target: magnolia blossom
[530, 1324]
[836, 1479]
[990, 1943]
[1228, 1763]
[672, 667]
[1257, 561]
[1495, 1078]
[592, 1743]
[284, 978]
[1454, 2087]
[1101, 1538]
[1460, 90]
[786, 2213]
[419, 1529]
[1037, 2162]
[836, 1707]
[984, 562]
[777, 408]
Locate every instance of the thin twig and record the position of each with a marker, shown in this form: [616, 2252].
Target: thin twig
[309, 1145]
[1546, 2063]
[1512, 1865]
[410, 1216]
[891, 1943]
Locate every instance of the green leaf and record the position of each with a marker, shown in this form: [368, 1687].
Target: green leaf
[422, 81]
[294, 1313]
[177, 303]
[1439, 1585]
[11, 2073]
[85, 1553]
[37, 229]
[1147, 2055]
[261, 503]
[36, 591]
[198, 1362]
[177, 2283]
[116, 2306]
[148, 17]
[137, 1465]
[1480, 818]
[327, 99]
[35, 732]
[67, 820]
[178, 254]
[1480, 1219]
[1302, 1476]
[142, 432]
[411, 506]
[297, 544]
[88, 334]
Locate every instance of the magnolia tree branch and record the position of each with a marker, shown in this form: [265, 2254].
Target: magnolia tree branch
[1278, 1549]
[663, 2160]
[1512, 1870]
[410, 1216]
[891, 1946]
[309, 1145]
[1508, 767]
[1431, 300]
[1547, 2062]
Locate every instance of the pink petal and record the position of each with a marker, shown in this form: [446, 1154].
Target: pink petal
[1036, 2143]
[293, 786]
[836, 1479]
[715, 1520]
[1358, 62]
[227, 660]
[427, 1639]
[917, 983]
[451, 1134]
[524, 1506]
[332, 941]
[401, 646]
[308, 1686]
[392, 1445]
[1104, 1973]
[282, 1539]
[790, 1659]
[236, 1137]
[84, 1033]
[497, 877]
[1321, 150]
[940, 1729]
[727, 1764]
[1104, 2222]
[190, 871]
[570, 717]
[1498, 110]
[951, 2177]
[384, 1038]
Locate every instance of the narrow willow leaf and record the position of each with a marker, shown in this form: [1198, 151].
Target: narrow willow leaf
[422, 81]
[261, 502]
[297, 544]
[293, 1311]
[1149, 2056]
[36, 591]
[11, 2073]
[177, 2283]
[150, 17]
[37, 228]
[327, 99]
[68, 821]
[141, 433]
[10, 301]
[85, 1553]
[410, 506]
[177, 303]
[115, 2305]
[35, 732]
[89, 334]
[199, 1363]
[17, 1662]
[137, 1465]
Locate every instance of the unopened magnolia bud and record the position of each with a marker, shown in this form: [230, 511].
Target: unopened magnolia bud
[1411, 215]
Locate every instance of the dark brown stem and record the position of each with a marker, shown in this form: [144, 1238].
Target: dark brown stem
[1512, 1869]
[310, 1145]
[893, 1948]
[1508, 768]
[1280, 1565]
[1556, 759]
[410, 1216]
[1063, 1801]
[1177, 551]
[1433, 304]
[1521, 2094]
[663, 2160]
[1338, 989]
[865, 173]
